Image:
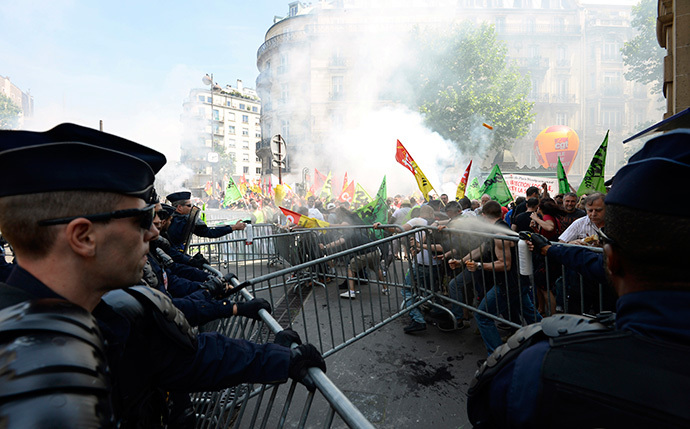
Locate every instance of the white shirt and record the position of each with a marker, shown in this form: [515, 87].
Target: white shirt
[581, 228]
[400, 214]
[424, 257]
[316, 214]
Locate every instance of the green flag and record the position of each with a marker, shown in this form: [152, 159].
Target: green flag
[232, 193]
[563, 185]
[594, 178]
[495, 186]
[202, 216]
[472, 191]
[361, 196]
[376, 210]
[326, 191]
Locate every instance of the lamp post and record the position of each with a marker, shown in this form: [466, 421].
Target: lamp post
[212, 156]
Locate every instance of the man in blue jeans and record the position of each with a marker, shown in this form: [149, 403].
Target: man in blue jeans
[507, 296]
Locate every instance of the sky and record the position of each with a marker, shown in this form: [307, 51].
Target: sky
[128, 63]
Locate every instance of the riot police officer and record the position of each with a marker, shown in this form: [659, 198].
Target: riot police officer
[183, 222]
[75, 206]
[572, 371]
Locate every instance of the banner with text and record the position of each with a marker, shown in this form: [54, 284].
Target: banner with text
[518, 184]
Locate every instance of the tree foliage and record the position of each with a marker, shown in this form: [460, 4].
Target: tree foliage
[9, 113]
[464, 79]
[642, 55]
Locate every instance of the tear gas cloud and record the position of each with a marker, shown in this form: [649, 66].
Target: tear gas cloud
[359, 134]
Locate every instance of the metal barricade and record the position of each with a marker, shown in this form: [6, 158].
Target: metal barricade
[388, 277]
[252, 406]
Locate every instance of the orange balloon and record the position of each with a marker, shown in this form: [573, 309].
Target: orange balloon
[557, 141]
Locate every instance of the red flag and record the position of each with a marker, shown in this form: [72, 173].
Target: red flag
[405, 159]
[291, 216]
[345, 181]
[208, 188]
[319, 180]
[460, 193]
[348, 193]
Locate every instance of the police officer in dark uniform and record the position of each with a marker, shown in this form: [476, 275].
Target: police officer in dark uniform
[181, 225]
[573, 371]
[75, 208]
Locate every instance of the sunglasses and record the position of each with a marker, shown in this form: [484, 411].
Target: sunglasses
[145, 216]
[162, 214]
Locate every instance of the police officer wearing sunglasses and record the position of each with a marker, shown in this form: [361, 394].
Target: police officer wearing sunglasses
[75, 206]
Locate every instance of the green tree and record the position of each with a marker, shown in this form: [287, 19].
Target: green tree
[642, 55]
[9, 113]
[464, 79]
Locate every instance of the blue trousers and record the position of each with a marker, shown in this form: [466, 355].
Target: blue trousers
[422, 275]
[497, 302]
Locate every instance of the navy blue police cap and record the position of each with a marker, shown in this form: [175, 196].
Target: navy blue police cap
[70, 157]
[662, 160]
[179, 196]
[168, 208]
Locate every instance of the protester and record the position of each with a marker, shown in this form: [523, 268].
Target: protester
[583, 231]
[506, 295]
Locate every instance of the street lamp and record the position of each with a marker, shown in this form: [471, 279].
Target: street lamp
[212, 156]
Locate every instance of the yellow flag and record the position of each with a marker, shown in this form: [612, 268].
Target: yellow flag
[405, 159]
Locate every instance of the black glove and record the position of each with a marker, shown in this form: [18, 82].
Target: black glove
[198, 261]
[214, 285]
[302, 358]
[286, 337]
[251, 308]
[539, 242]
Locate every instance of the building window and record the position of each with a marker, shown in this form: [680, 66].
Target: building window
[245, 170]
[209, 100]
[258, 159]
[241, 106]
[231, 129]
[500, 24]
[229, 116]
[231, 142]
[284, 93]
[201, 98]
[294, 8]
[245, 131]
[336, 87]
[258, 170]
[612, 50]
[611, 119]
[245, 145]
[562, 118]
[216, 129]
[245, 157]
[562, 86]
[229, 103]
[529, 25]
[257, 135]
[255, 109]
[216, 115]
[245, 119]
[283, 67]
